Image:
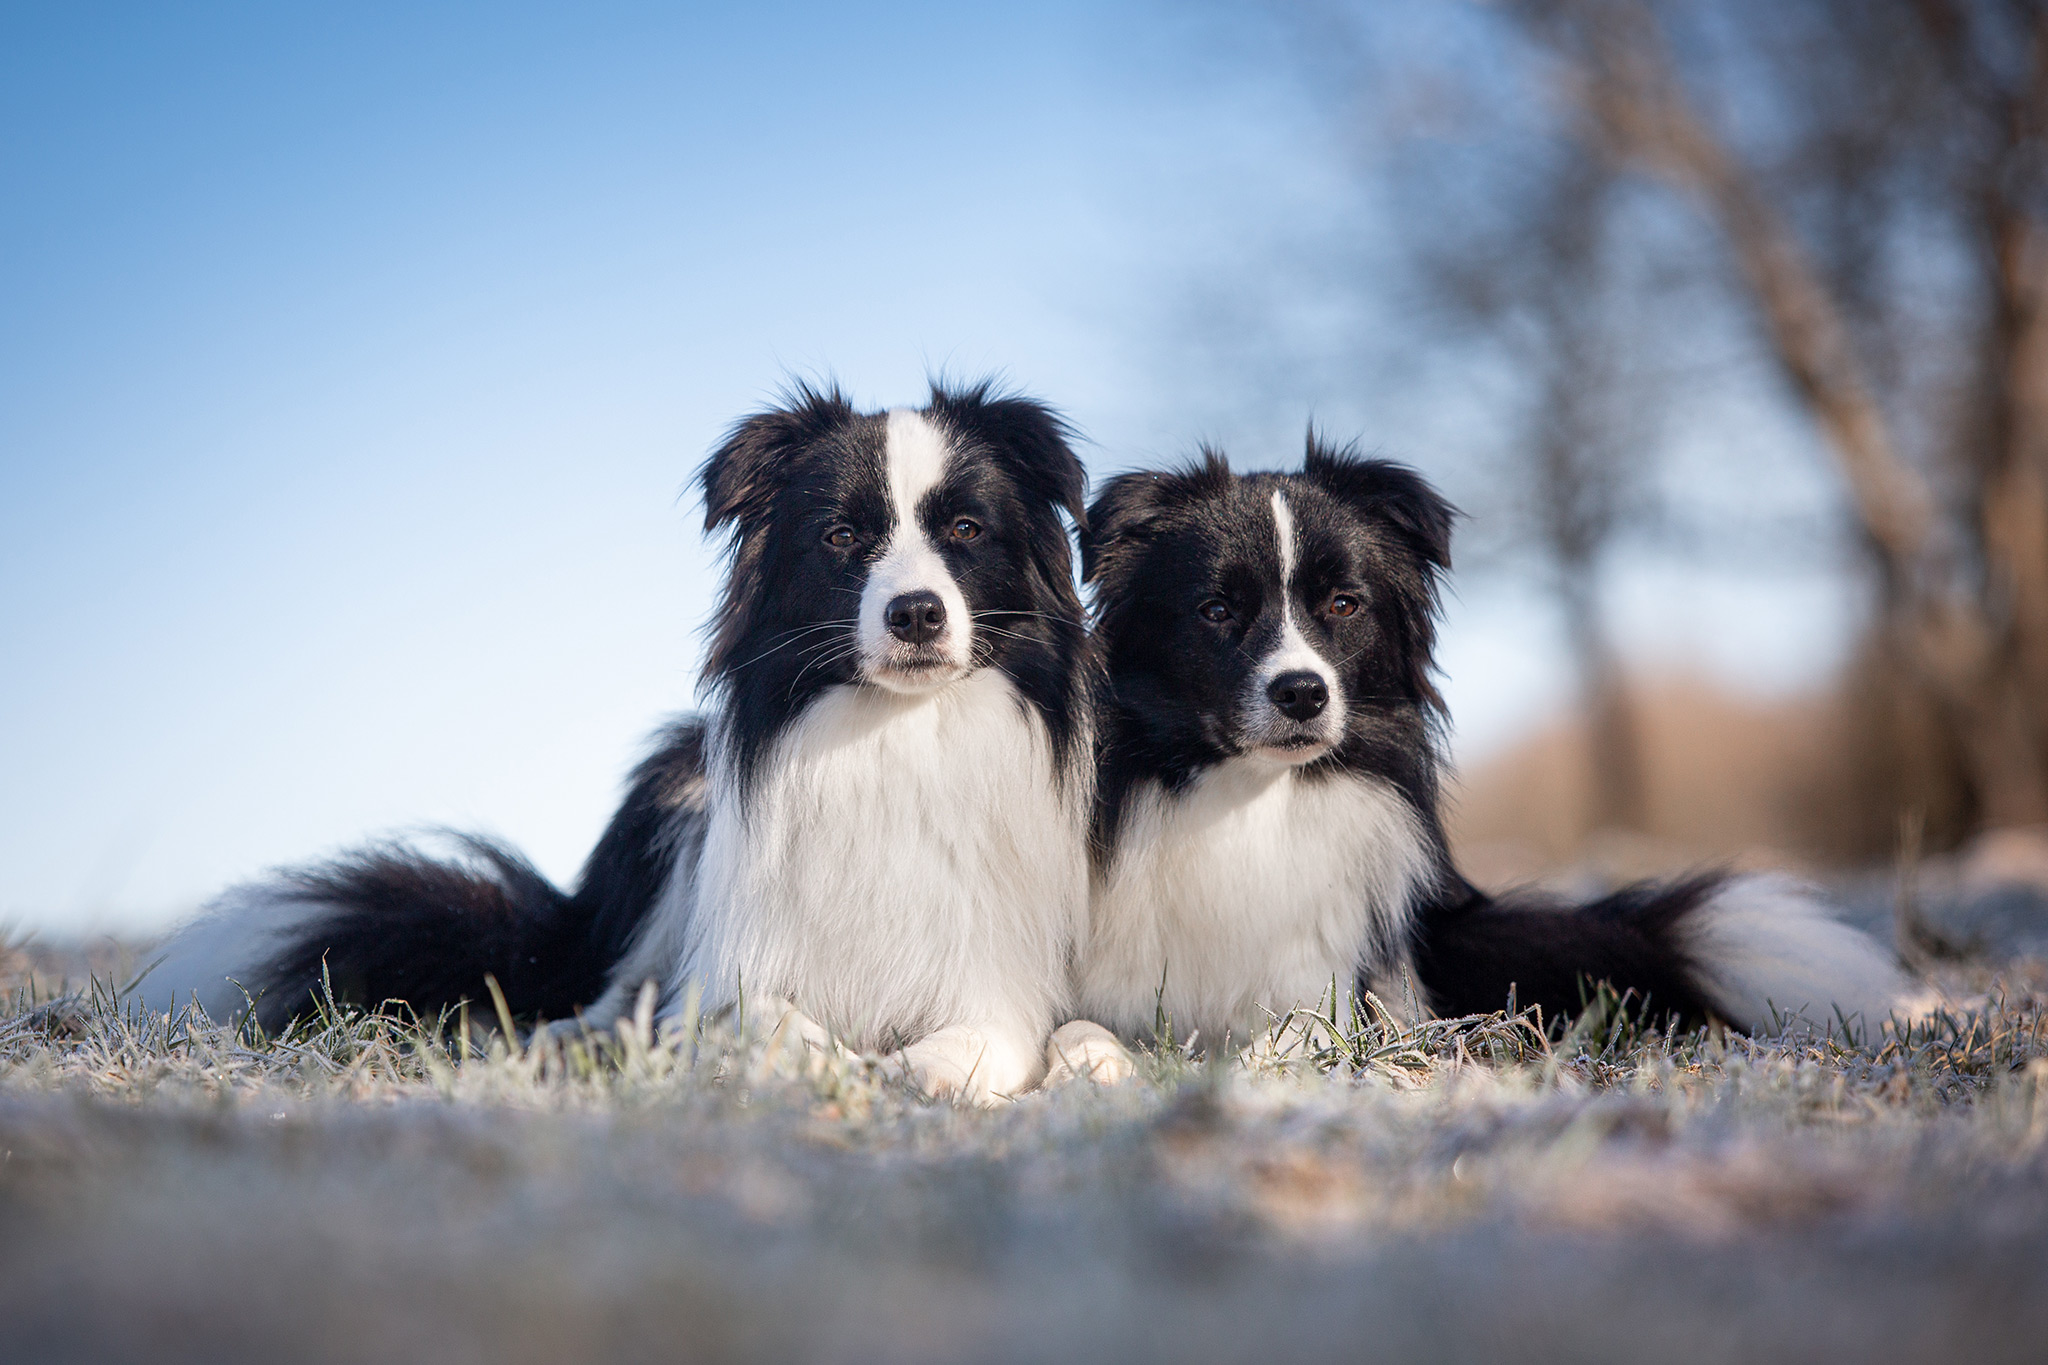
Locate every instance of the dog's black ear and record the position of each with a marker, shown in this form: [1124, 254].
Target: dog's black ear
[743, 475]
[1033, 442]
[1124, 509]
[1389, 493]
[1129, 507]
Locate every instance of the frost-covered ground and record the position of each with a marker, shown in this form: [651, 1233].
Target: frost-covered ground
[1456, 1191]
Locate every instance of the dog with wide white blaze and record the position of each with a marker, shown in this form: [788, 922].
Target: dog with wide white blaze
[1267, 808]
[880, 824]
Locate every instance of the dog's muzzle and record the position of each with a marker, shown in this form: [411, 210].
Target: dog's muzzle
[1295, 715]
[915, 630]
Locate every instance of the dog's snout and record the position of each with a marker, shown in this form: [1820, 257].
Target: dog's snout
[1299, 695]
[916, 618]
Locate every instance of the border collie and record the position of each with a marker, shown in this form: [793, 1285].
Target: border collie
[882, 821]
[1266, 817]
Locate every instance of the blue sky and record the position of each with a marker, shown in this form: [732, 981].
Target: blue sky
[354, 361]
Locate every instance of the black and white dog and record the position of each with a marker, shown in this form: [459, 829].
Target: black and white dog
[1267, 800]
[882, 822]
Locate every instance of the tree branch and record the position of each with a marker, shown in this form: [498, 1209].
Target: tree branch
[1627, 89]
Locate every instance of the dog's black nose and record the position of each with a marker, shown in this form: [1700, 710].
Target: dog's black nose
[916, 618]
[1300, 695]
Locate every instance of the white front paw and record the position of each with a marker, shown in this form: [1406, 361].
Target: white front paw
[1085, 1048]
[970, 1065]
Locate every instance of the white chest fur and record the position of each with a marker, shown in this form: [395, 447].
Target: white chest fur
[901, 864]
[1251, 891]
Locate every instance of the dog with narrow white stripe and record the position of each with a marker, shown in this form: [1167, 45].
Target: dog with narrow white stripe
[1267, 810]
[880, 824]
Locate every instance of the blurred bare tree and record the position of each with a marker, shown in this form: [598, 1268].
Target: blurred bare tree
[1892, 242]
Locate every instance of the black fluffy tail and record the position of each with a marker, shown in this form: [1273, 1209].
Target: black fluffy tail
[390, 923]
[1755, 951]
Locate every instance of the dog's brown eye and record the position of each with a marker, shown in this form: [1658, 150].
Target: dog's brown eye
[1343, 604]
[966, 529]
[1215, 609]
[839, 537]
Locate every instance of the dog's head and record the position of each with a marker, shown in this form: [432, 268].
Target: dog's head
[899, 550]
[1278, 616]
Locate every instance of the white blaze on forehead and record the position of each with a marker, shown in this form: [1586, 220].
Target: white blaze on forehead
[913, 462]
[1283, 528]
[1291, 641]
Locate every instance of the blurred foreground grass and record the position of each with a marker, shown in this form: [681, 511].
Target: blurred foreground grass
[366, 1189]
